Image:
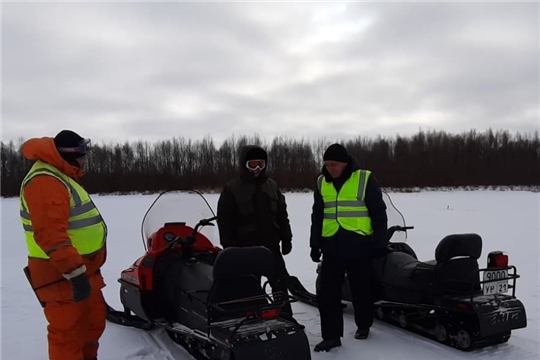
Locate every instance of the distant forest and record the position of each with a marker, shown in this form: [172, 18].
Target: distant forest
[426, 159]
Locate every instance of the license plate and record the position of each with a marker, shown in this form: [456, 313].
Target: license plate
[499, 284]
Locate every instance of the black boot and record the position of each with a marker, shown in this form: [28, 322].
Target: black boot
[326, 345]
[361, 334]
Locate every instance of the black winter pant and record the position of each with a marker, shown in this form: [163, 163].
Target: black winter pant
[359, 273]
[279, 283]
[281, 279]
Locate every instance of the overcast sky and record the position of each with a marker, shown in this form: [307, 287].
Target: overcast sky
[151, 71]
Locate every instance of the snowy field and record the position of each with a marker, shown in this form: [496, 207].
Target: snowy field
[506, 220]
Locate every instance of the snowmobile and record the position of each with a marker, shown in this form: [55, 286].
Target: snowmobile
[211, 301]
[442, 299]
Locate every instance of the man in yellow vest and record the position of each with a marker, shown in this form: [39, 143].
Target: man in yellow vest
[348, 227]
[65, 236]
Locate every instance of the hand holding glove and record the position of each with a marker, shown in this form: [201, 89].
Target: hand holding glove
[315, 255]
[81, 287]
[286, 247]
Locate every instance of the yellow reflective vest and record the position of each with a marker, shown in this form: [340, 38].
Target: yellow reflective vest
[86, 230]
[346, 208]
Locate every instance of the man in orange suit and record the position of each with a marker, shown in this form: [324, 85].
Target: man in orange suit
[66, 241]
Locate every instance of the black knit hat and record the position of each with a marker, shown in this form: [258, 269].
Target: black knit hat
[256, 153]
[336, 152]
[70, 145]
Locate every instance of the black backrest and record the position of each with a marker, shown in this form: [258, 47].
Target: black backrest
[469, 245]
[237, 261]
[457, 262]
[237, 274]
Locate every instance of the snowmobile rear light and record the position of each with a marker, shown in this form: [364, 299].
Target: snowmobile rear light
[463, 305]
[265, 314]
[269, 314]
[496, 259]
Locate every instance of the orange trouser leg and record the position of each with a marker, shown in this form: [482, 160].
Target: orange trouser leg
[67, 324]
[75, 328]
[96, 325]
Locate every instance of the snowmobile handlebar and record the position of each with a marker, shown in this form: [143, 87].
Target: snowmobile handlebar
[190, 239]
[203, 222]
[392, 229]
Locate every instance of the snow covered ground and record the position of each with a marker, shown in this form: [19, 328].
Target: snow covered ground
[507, 220]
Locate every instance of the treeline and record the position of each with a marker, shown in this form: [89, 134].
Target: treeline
[426, 159]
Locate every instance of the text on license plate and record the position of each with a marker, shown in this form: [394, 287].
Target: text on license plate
[500, 284]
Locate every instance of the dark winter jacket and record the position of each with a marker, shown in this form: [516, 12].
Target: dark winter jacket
[344, 243]
[252, 211]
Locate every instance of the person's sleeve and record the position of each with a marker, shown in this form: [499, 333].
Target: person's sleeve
[47, 200]
[316, 220]
[377, 212]
[283, 218]
[226, 218]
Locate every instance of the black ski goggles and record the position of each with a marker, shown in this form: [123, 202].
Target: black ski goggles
[82, 148]
[256, 164]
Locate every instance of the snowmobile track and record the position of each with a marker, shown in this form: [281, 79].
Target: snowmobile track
[158, 346]
[445, 352]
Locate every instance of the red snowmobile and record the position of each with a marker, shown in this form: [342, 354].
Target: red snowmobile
[211, 301]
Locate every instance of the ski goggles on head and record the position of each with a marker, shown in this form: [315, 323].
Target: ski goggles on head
[255, 164]
[82, 148]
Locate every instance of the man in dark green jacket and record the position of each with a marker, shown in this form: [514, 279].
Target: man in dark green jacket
[252, 212]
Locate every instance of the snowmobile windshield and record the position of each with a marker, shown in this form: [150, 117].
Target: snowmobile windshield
[395, 218]
[183, 206]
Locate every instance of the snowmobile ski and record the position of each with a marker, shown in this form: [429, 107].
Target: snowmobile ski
[127, 319]
[297, 289]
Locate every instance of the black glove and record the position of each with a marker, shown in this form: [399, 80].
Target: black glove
[315, 254]
[286, 247]
[81, 287]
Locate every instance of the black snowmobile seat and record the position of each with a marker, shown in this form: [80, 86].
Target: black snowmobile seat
[237, 275]
[453, 269]
[406, 279]
[457, 262]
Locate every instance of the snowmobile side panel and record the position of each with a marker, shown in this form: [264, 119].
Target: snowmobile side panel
[135, 300]
[500, 315]
[283, 346]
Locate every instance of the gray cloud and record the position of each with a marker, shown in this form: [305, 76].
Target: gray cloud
[127, 71]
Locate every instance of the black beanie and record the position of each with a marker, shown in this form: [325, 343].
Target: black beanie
[256, 153]
[336, 152]
[66, 140]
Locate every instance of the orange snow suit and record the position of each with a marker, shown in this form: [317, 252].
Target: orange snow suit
[73, 328]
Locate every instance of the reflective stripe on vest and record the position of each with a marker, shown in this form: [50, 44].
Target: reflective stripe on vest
[346, 208]
[86, 228]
